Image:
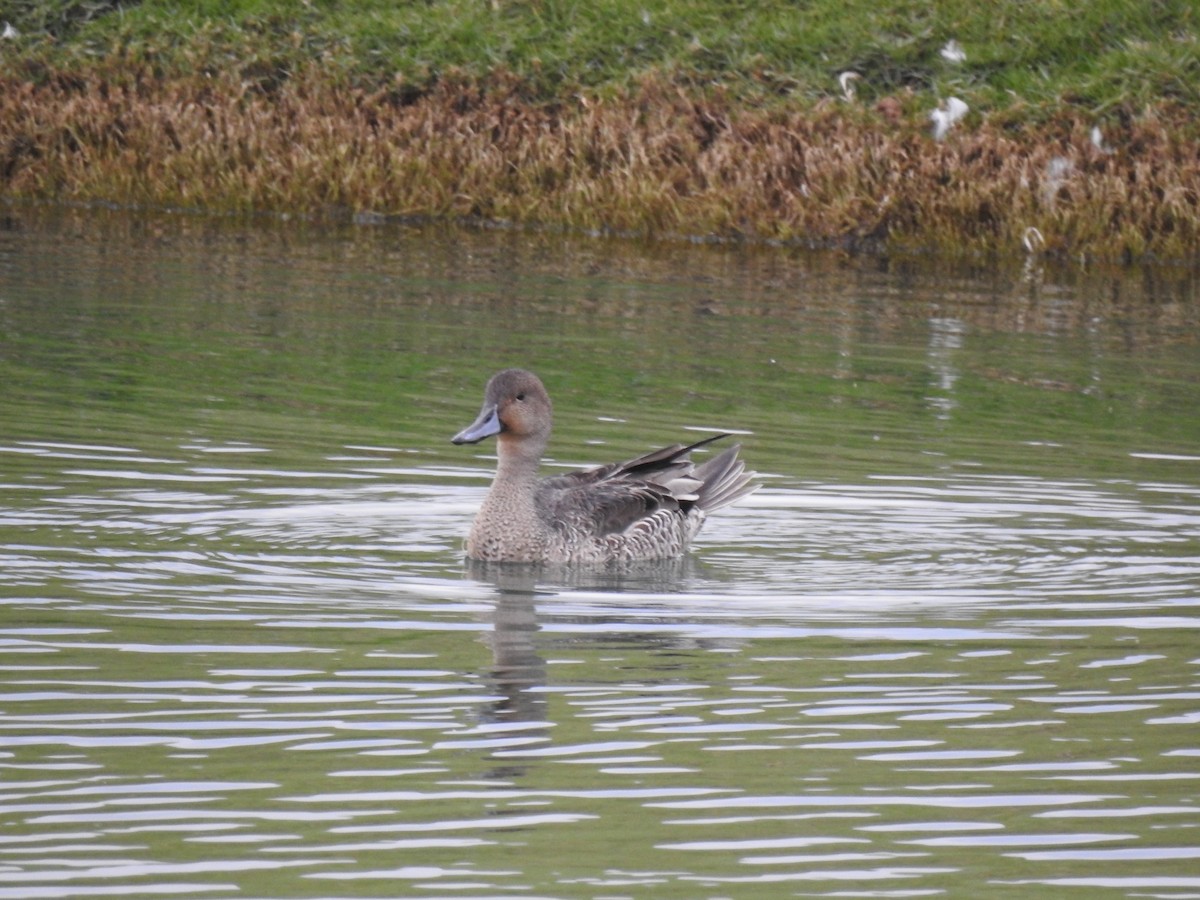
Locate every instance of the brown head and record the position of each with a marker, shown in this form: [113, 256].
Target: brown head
[516, 408]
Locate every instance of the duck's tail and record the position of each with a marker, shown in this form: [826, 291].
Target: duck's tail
[723, 480]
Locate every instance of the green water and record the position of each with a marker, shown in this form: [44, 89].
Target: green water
[951, 645]
[383, 335]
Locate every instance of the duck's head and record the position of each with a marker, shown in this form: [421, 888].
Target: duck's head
[515, 406]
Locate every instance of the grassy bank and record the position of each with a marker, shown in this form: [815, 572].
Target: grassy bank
[659, 118]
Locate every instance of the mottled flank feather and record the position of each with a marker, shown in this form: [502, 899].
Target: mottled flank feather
[643, 509]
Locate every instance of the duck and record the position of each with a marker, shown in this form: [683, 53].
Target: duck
[646, 508]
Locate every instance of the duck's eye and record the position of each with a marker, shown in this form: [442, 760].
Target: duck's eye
[521, 396]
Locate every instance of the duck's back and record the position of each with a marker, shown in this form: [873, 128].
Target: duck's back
[646, 508]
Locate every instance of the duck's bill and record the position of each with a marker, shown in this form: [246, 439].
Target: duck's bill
[485, 426]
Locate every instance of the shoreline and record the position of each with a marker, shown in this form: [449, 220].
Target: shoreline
[665, 156]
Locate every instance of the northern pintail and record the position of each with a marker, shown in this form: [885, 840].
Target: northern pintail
[643, 509]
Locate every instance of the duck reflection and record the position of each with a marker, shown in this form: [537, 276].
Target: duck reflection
[517, 668]
[518, 675]
[518, 671]
[665, 576]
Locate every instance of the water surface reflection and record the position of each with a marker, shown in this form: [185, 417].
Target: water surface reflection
[950, 646]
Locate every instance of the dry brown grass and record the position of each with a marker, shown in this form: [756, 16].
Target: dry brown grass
[658, 161]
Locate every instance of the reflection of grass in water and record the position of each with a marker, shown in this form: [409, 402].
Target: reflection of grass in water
[649, 119]
[229, 333]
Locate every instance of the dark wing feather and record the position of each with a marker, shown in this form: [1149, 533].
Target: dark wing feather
[652, 466]
[609, 499]
[609, 508]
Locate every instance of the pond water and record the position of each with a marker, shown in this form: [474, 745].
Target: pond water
[952, 644]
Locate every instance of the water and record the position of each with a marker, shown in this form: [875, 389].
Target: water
[951, 646]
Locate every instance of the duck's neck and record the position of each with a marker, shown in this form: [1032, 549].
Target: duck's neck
[508, 526]
[517, 463]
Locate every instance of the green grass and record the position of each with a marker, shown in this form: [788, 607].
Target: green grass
[1097, 55]
[646, 117]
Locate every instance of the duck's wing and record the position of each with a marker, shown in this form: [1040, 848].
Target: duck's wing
[612, 498]
[611, 507]
[657, 466]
